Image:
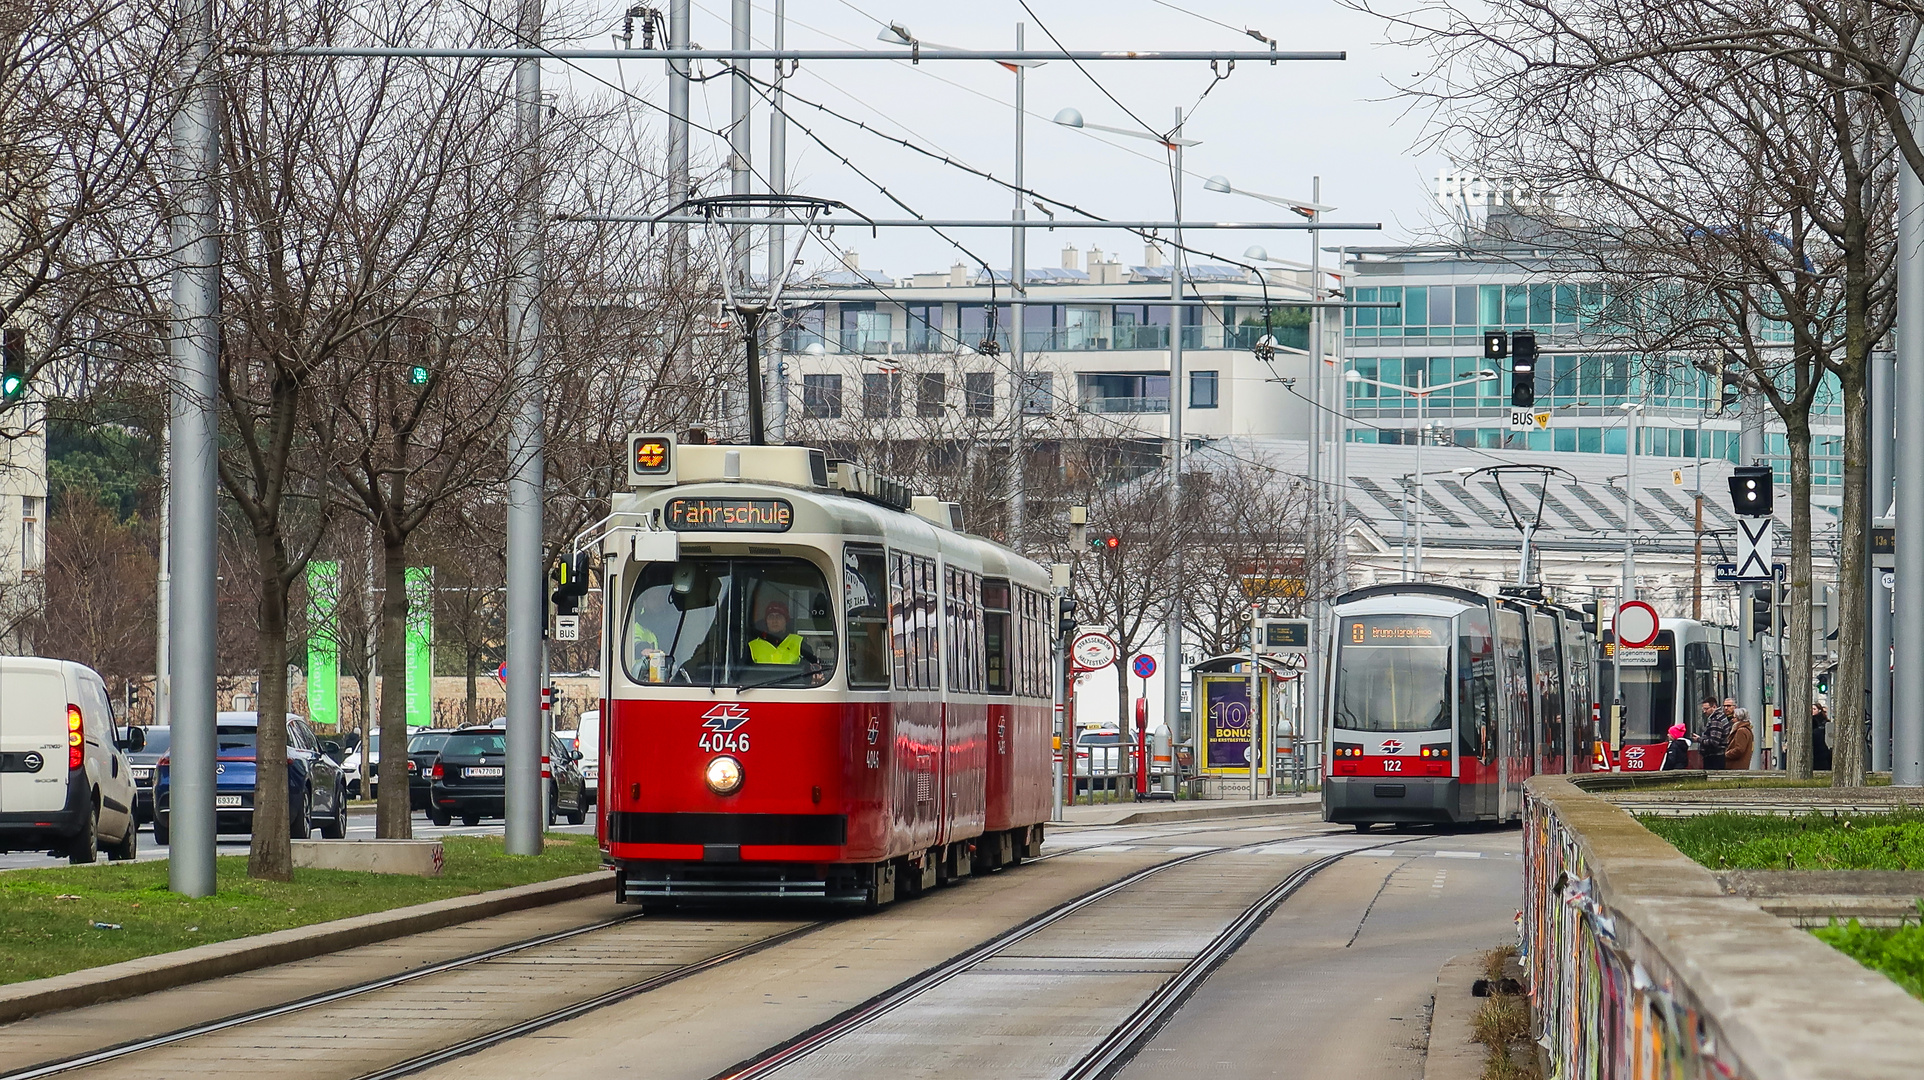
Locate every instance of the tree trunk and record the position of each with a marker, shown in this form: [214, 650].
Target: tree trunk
[1795, 695]
[474, 672]
[268, 855]
[391, 820]
[1849, 705]
[1125, 725]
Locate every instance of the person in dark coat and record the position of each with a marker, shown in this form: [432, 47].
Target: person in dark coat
[1820, 746]
[1678, 755]
[1714, 740]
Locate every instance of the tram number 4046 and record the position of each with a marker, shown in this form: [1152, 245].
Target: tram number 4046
[716, 742]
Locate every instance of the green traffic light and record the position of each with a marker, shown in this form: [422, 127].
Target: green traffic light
[418, 375]
[12, 385]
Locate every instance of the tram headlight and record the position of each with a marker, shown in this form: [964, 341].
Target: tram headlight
[723, 775]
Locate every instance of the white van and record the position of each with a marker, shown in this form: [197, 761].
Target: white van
[65, 784]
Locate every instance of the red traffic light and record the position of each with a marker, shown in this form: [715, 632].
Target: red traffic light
[1111, 542]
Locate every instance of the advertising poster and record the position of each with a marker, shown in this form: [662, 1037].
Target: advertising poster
[1225, 729]
[420, 646]
[323, 643]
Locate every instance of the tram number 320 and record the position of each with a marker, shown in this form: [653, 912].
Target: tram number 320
[734, 742]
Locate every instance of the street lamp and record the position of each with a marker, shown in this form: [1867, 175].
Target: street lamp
[1304, 207]
[1422, 395]
[1172, 141]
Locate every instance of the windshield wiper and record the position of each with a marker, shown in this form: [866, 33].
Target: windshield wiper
[811, 668]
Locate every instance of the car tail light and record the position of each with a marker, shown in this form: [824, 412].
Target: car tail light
[75, 737]
[438, 772]
[412, 767]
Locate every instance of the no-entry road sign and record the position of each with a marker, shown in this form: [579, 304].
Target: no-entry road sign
[1636, 624]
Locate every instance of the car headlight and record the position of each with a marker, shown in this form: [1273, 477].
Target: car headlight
[723, 775]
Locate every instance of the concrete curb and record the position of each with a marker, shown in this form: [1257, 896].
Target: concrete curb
[147, 974]
[1195, 812]
[1454, 1053]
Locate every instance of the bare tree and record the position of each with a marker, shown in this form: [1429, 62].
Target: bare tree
[1253, 545]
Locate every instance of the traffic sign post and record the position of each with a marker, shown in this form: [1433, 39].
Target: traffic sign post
[1092, 650]
[1144, 666]
[1636, 625]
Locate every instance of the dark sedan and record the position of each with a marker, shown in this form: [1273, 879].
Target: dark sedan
[145, 767]
[316, 786]
[467, 779]
[422, 748]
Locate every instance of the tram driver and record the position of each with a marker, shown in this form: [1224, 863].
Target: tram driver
[776, 642]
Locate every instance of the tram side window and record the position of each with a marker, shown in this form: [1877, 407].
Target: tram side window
[902, 617]
[1700, 678]
[866, 600]
[927, 627]
[995, 634]
[964, 630]
[1476, 687]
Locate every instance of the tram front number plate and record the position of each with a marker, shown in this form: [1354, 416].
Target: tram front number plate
[478, 770]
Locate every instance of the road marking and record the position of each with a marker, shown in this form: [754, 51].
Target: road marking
[1459, 854]
[1191, 850]
[1110, 849]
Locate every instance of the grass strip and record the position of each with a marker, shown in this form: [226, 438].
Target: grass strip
[1734, 841]
[1738, 782]
[64, 919]
[1898, 952]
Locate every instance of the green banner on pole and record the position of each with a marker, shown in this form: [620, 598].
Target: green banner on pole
[420, 646]
[323, 643]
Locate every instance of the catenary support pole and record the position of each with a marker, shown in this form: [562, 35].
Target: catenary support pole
[163, 615]
[526, 608]
[1750, 652]
[775, 395]
[1629, 503]
[1877, 661]
[740, 149]
[195, 348]
[1172, 674]
[678, 168]
[1018, 292]
[1322, 531]
[1907, 626]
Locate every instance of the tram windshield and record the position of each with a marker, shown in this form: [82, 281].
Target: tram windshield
[1393, 674]
[730, 622]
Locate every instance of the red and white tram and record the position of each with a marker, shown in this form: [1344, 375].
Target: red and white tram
[816, 686]
[1444, 701]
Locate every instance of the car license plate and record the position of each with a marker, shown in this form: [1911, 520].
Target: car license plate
[143, 774]
[481, 770]
[227, 800]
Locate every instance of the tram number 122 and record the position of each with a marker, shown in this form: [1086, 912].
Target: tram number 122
[734, 742]
[1392, 765]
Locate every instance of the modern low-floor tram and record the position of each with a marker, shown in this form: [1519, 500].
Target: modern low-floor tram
[1443, 701]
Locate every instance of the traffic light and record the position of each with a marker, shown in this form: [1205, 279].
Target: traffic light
[1761, 610]
[1105, 543]
[1750, 490]
[1496, 345]
[1066, 615]
[571, 580]
[1731, 381]
[1523, 369]
[13, 364]
[418, 374]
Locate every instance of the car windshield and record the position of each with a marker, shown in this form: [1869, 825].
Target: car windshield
[157, 739]
[730, 622]
[1392, 674]
[418, 744]
[476, 744]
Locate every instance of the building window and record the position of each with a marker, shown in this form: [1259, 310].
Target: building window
[881, 395]
[29, 533]
[1038, 393]
[931, 394]
[978, 393]
[822, 396]
[866, 330]
[1202, 389]
[1123, 392]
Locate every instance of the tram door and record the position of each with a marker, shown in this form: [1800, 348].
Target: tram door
[1580, 735]
[1548, 671]
[1515, 748]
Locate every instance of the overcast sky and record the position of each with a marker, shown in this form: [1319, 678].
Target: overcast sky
[1268, 129]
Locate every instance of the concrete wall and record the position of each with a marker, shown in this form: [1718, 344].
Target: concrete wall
[1642, 967]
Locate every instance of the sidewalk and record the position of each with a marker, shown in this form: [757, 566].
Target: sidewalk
[1147, 813]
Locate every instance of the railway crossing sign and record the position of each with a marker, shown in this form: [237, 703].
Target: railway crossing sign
[1144, 666]
[1092, 649]
[1753, 549]
[1637, 624]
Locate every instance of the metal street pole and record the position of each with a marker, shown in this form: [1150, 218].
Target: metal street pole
[1018, 293]
[776, 393]
[526, 608]
[1172, 626]
[1750, 650]
[195, 346]
[1878, 598]
[1255, 703]
[678, 161]
[1630, 502]
[1310, 719]
[163, 589]
[1907, 627]
[740, 149]
[1422, 411]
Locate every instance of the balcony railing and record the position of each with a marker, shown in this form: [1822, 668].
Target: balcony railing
[1057, 339]
[1125, 404]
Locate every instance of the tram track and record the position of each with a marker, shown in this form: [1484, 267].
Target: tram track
[1124, 1038]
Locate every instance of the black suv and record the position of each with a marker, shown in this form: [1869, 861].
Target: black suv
[467, 779]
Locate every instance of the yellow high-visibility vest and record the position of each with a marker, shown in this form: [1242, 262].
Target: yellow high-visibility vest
[764, 651]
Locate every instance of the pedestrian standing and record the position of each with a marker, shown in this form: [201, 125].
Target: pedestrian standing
[1743, 740]
[1715, 739]
[1820, 748]
[1678, 755]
